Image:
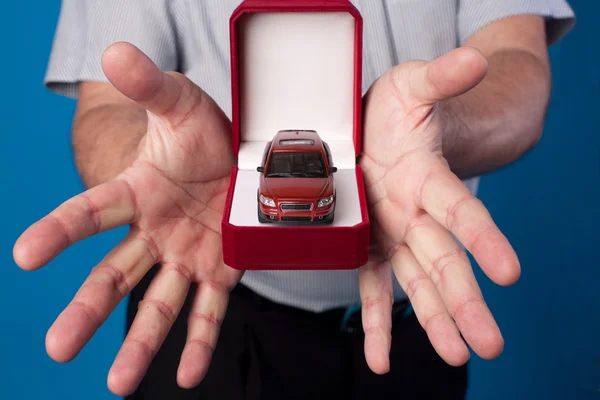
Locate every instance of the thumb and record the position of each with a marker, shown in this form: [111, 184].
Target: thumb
[450, 75]
[135, 75]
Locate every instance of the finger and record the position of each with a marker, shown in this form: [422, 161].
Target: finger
[453, 206]
[101, 208]
[176, 101]
[450, 75]
[156, 314]
[449, 269]
[375, 285]
[108, 283]
[135, 75]
[429, 308]
[204, 324]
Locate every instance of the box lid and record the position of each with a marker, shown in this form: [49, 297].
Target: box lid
[296, 64]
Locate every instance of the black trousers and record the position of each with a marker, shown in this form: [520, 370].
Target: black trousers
[270, 351]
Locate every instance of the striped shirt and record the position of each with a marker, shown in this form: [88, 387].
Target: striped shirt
[192, 37]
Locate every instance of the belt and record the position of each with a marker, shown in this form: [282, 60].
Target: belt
[346, 319]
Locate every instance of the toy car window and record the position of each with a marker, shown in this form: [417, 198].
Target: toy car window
[265, 154]
[296, 164]
[297, 142]
[327, 153]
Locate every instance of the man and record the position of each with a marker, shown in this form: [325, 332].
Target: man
[145, 143]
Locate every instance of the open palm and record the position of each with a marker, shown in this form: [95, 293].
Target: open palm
[172, 197]
[418, 207]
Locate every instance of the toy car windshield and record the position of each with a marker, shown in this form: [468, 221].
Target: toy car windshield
[296, 164]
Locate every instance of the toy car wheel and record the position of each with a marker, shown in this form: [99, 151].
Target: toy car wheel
[331, 218]
[261, 217]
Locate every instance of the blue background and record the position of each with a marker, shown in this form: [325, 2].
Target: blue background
[547, 204]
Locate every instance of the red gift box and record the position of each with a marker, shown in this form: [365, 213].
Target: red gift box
[296, 64]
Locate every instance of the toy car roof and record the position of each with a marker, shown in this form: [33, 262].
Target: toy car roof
[296, 140]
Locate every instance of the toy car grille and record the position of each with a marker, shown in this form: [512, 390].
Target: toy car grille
[296, 207]
[296, 219]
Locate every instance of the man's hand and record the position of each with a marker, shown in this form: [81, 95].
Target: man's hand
[418, 207]
[172, 197]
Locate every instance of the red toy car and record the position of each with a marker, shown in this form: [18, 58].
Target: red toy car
[296, 181]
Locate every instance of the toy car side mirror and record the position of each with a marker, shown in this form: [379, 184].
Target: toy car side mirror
[260, 169]
[333, 169]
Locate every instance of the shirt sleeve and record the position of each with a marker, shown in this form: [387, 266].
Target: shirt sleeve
[87, 27]
[475, 14]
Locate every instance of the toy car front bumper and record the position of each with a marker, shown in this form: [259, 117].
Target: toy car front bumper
[315, 215]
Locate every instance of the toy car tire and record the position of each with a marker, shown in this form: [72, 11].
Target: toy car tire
[261, 218]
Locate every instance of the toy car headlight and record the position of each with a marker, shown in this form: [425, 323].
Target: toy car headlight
[325, 202]
[267, 201]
